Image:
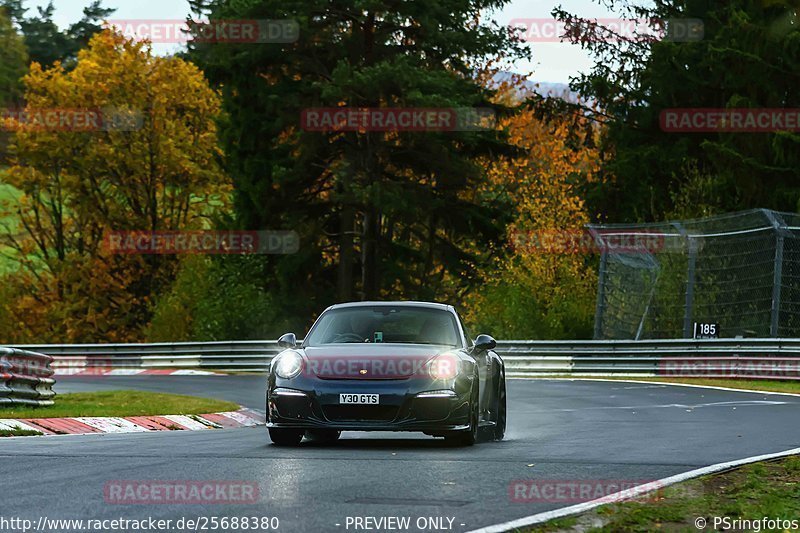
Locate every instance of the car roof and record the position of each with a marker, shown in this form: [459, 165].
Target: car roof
[404, 303]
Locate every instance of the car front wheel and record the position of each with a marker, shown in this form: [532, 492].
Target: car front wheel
[468, 437]
[500, 420]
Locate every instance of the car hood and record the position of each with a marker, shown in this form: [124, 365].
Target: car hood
[370, 361]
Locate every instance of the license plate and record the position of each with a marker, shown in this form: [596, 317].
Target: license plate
[369, 399]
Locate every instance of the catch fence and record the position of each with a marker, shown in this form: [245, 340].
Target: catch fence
[735, 275]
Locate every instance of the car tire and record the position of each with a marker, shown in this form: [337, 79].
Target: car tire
[323, 436]
[500, 420]
[468, 437]
[285, 437]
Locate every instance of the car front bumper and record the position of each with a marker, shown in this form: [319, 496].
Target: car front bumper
[404, 405]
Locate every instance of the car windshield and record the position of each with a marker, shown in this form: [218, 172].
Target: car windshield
[385, 324]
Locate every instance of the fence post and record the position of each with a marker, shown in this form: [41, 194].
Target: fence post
[689, 304]
[777, 270]
[601, 283]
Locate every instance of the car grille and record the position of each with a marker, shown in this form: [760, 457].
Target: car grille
[358, 413]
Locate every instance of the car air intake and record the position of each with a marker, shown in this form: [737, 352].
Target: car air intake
[360, 413]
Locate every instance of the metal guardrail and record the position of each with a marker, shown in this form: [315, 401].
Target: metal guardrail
[752, 358]
[25, 378]
[246, 356]
[768, 358]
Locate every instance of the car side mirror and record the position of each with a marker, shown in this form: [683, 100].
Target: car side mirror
[485, 342]
[287, 340]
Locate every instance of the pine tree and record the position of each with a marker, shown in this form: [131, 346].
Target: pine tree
[13, 62]
[46, 42]
[380, 214]
[746, 57]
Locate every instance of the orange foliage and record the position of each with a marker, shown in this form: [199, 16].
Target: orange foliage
[157, 172]
[532, 292]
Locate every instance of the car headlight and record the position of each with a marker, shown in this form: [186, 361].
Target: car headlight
[444, 366]
[288, 364]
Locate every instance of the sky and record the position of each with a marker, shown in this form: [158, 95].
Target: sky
[552, 61]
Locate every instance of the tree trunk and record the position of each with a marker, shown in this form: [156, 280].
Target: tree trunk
[369, 255]
[346, 253]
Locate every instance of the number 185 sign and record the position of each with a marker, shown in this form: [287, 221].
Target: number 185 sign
[704, 330]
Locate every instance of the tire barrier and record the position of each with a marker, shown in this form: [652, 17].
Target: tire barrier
[26, 378]
[756, 358]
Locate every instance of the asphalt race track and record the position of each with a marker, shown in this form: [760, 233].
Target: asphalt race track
[558, 430]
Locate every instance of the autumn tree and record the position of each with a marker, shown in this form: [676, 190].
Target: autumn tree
[149, 164]
[538, 288]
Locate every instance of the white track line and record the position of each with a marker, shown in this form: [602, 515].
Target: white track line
[638, 491]
[753, 391]
[626, 494]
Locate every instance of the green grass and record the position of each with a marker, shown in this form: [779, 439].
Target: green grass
[18, 432]
[769, 489]
[120, 403]
[744, 384]
[7, 194]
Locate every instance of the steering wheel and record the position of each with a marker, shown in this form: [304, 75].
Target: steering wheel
[348, 337]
